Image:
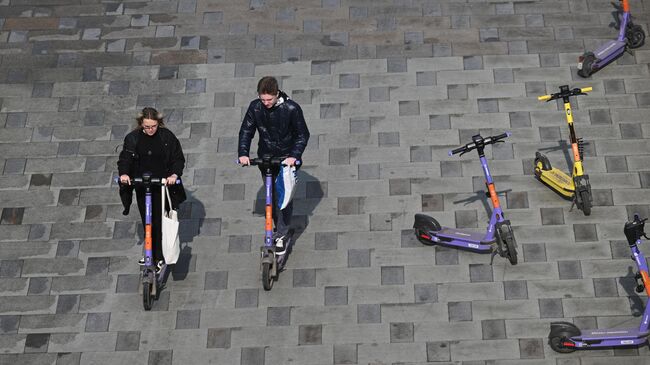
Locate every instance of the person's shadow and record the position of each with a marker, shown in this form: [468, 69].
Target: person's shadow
[309, 192]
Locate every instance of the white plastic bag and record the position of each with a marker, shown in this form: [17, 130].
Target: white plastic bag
[171, 243]
[285, 186]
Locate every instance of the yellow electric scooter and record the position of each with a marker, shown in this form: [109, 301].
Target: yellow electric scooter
[575, 187]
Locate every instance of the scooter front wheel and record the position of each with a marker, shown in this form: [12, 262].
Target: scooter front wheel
[267, 278]
[585, 197]
[423, 226]
[542, 163]
[510, 244]
[635, 36]
[147, 297]
[557, 344]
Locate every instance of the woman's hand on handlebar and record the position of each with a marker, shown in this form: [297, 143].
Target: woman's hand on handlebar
[289, 161]
[244, 160]
[171, 180]
[125, 179]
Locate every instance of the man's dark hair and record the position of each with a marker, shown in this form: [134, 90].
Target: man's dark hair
[267, 85]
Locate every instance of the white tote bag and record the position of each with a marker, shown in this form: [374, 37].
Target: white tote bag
[285, 186]
[171, 243]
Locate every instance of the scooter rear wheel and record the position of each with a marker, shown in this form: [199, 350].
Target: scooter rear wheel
[267, 278]
[635, 36]
[588, 60]
[425, 229]
[542, 162]
[557, 344]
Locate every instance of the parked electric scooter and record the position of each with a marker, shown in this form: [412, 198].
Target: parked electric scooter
[498, 238]
[630, 36]
[566, 337]
[576, 186]
[271, 263]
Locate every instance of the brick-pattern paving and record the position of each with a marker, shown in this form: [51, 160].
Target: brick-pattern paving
[387, 88]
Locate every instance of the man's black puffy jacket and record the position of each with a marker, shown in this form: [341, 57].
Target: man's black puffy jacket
[282, 128]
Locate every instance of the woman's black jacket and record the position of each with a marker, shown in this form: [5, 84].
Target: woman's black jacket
[174, 163]
[282, 128]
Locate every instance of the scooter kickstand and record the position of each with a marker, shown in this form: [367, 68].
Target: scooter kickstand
[494, 253]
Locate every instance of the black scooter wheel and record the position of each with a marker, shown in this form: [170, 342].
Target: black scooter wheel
[542, 163]
[424, 230]
[588, 60]
[585, 197]
[147, 297]
[635, 36]
[557, 344]
[267, 278]
[510, 244]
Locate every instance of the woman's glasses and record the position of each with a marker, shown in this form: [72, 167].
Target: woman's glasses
[148, 127]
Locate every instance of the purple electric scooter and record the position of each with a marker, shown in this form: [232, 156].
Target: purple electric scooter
[566, 337]
[630, 36]
[499, 238]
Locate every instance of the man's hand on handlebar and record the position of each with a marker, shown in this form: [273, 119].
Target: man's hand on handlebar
[289, 161]
[244, 160]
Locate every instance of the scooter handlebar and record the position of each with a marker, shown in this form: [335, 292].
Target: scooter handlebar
[565, 94]
[277, 161]
[483, 141]
[139, 180]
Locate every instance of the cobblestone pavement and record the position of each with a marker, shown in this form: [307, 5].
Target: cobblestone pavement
[387, 88]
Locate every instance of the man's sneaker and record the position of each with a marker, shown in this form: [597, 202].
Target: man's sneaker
[141, 261]
[281, 244]
[159, 266]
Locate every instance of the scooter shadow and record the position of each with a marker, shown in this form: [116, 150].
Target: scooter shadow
[481, 195]
[565, 148]
[629, 282]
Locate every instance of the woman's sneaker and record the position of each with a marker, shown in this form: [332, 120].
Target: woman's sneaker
[159, 266]
[141, 261]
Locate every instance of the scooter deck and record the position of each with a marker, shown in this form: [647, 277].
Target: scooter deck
[609, 50]
[447, 233]
[558, 180]
[610, 334]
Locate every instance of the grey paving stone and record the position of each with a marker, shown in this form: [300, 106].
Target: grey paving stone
[188, 319]
[432, 202]
[359, 258]
[39, 286]
[310, 335]
[160, 357]
[304, 278]
[531, 348]
[9, 324]
[128, 341]
[459, 311]
[379, 94]
[395, 64]
[534, 252]
[368, 313]
[438, 351]
[552, 216]
[97, 265]
[326, 241]
[630, 130]
[194, 86]
[127, 283]
[516, 289]
[446, 256]
[345, 354]
[252, 356]
[401, 332]
[473, 62]
[605, 287]
[97, 322]
[216, 280]
[439, 122]
[239, 243]
[278, 316]
[409, 108]
[12, 215]
[67, 304]
[388, 139]
[550, 308]
[67, 249]
[425, 78]
[493, 329]
[36, 342]
[569, 270]
[207, 177]
[420, 154]
[616, 164]
[480, 273]
[392, 275]
[399, 187]
[488, 106]
[585, 232]
[246, 298]
[14, 166]
[466, 219]
[503, 76]
[350, 206]
[219, 338]
[336, 295]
